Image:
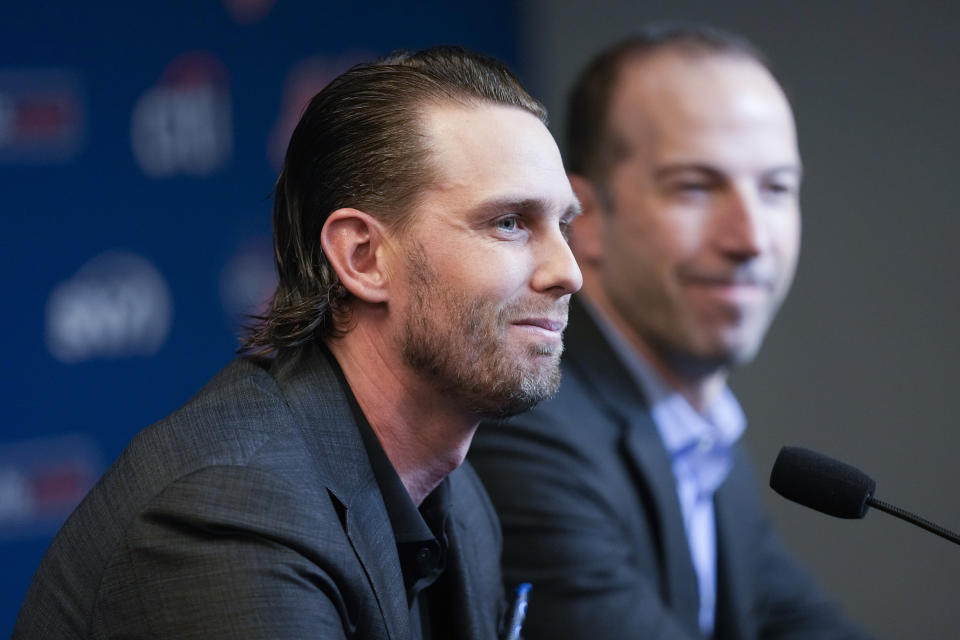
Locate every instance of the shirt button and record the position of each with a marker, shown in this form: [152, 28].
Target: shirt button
[423, 555]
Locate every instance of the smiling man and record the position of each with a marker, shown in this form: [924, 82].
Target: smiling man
[315, 487]
[626, 499]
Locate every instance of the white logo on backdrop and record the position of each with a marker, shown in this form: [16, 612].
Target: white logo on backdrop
[183, 125]
[117, 305]
[15, 498]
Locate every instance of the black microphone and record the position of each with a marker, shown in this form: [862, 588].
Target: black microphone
[836, 488]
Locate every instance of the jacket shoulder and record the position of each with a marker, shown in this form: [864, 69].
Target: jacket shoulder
[230, 422]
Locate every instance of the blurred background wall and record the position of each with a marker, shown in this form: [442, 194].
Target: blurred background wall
[138, 147]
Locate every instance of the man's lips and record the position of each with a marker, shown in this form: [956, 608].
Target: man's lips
[544, 328]
[547, 324]
[730, 289]
[755, 275]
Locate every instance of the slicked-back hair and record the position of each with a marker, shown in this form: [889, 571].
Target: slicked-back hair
[360, 143]
[592, 148]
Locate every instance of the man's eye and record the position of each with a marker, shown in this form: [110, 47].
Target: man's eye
[510, 223]
[693, 187]
[778, 188]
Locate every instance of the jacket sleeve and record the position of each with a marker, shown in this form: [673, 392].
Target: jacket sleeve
[228, 552]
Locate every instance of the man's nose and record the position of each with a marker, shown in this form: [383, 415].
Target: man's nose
[741, 229]
[556, 270]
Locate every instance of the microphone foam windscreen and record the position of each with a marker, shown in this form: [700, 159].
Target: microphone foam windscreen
[822, 483]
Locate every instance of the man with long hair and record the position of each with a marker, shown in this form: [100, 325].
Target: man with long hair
[315, 487]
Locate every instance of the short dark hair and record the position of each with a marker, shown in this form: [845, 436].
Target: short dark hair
[591, 148]
[360, 143]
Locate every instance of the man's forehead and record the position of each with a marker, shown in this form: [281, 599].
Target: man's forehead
[701, 102]
[672, 82]
[494, 153]
[460, 133]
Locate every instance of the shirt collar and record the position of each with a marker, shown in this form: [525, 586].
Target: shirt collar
[419, 533]
[406, 520]
[681, 426]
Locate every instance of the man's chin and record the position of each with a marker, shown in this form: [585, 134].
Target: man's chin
[725, 348]
[739, 350]
[521, 394]
[695, 362]
[508, 407]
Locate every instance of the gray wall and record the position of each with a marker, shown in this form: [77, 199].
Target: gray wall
[861, 362]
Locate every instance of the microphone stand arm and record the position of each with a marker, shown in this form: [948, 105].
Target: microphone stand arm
[923, 523]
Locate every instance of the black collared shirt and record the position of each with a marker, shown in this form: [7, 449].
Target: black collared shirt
[420, 535]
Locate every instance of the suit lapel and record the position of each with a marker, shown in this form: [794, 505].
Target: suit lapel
[467, 617]
[370, 534]
[733, 603]
[645, 450]
[472, 559]
[616, 390]
[312, 390]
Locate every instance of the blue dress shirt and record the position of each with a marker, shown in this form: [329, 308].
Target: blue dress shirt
[700, 446]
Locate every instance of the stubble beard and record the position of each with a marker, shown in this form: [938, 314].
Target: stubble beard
[459, 344]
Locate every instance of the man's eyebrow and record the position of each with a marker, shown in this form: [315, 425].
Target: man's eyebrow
[523, 205]
[668, 171]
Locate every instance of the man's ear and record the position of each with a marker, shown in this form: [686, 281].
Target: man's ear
[353, 242]
[587, 229]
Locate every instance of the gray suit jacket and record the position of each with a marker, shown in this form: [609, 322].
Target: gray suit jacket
[252, 512]
[590, 514]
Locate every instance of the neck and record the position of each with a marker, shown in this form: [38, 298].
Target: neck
[697, 382]
[423, 434]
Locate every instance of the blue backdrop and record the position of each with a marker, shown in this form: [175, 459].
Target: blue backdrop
[138, 147]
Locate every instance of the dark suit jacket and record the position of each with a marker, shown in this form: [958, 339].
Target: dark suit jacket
[252, 512]
[590, 515]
